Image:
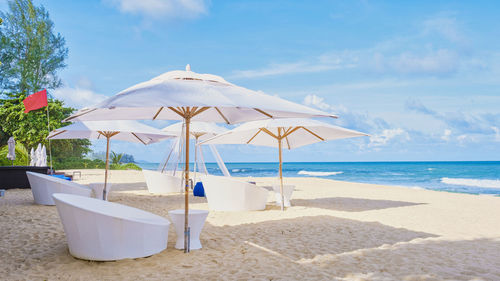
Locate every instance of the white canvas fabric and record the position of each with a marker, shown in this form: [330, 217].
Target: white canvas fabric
[204, 130]
[131, 131]
[11, 155]
[310, 131]
[227, 102]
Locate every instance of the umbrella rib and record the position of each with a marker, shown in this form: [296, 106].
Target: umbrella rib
[138, 137]
[263, 112]
[289, 132]
[312, 133]
[200, 111]
[254, 135]
[287, 142]
[78, 115]
[269, 133]
[222, 115]
[176, 111]
[158, 112]
[58, 133]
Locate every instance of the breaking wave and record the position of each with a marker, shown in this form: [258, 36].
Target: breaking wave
[472, 182]
[318, 174]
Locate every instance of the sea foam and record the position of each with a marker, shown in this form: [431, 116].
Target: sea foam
[472, 182]
[318, 174]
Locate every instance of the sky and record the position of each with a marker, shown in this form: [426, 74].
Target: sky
[422, 78]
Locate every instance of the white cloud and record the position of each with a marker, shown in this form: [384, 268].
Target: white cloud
[446, 135]
[497, 133]
[78, 96]
[321, 63]
[158, 9]
[387, 135]
[444, 26]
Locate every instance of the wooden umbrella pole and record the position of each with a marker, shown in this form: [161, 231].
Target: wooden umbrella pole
[281, 171]
[107, 168]
[186, 186]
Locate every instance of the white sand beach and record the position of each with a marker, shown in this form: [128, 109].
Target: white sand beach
[334, 231]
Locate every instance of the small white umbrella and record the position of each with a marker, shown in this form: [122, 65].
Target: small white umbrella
[11, 155]
[38, 153]
[291, 132]
[32, 157]
[131, 131]
[44, 156]
[190, 96]
[200, 131]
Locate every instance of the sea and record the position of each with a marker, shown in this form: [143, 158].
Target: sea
[479, 177]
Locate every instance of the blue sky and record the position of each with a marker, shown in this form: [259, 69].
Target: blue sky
[422, 78]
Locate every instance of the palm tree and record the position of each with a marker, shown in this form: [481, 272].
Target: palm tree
[116, 158]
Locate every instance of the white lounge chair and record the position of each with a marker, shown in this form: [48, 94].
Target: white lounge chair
[287, 194]
[104, 231]
[43, 186]
[228, 194]
[162, 183]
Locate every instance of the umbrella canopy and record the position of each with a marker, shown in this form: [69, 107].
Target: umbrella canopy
[125, 130]
[189, 96]
[291, 133]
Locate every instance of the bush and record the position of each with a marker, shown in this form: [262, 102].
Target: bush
[128, 166]
[22, 156]
[78, 163]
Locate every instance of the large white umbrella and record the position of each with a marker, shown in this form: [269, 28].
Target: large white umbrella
[200, 131]
[189, 96]
[125, 130]
[291, 132]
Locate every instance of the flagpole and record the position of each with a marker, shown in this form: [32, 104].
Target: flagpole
[50, 150]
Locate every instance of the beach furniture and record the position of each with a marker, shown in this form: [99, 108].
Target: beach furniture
[125, 130]
[43, 186]
[98, 190]
[190, 96]
[228, 194]
[279, 132]
[287, 194]
[162, 183]
[196, 220]
[104, 231]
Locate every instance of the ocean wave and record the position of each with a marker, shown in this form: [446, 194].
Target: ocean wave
[472, 182]
[431, 169]
[238, 170]
[318, 174]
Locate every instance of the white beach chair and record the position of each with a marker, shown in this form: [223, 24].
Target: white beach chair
[43, 186]
[228, 194]
[162, 183]
[104, 231]
[287, 194]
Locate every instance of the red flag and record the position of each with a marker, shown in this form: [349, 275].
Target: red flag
[35, 101]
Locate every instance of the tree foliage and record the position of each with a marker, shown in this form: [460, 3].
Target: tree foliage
[31, 52]
[31, 128]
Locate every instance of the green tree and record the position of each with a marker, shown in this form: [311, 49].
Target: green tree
[116, 158]
[31, 51]
[31, 128]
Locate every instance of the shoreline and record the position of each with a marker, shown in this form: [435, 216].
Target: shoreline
[334, 230]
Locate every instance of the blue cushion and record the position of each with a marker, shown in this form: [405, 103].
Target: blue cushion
[62, 177]
[199, 190]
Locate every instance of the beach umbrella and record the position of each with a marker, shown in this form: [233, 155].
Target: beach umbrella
[190, 96]
[11, 155]
[43, 153]
[32, 157]
[125, 130]
[290, 132]
[38, 153]
[200, 131]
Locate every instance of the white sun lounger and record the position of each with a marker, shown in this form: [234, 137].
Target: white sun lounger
[43, 186]
[228, 194]
[161, 183]
[104, 231]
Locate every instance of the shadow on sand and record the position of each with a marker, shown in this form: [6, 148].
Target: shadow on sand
[347, 204]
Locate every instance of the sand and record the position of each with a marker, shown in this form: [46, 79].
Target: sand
[334, 231]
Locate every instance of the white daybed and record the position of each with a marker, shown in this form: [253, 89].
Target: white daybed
[104, 231]
[161, 183]
[228, 194]
[43, 186]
